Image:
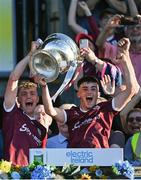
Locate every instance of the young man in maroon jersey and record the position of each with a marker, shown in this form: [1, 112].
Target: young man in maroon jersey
[21, 130]
[89, 124]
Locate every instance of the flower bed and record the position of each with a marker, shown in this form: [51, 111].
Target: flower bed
[37, 170]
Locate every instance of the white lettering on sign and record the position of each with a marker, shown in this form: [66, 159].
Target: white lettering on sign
[80, 157]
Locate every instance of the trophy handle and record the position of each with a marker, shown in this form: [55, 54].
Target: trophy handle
[68, 77]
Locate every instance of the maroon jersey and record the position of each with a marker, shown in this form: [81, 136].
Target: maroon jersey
[90, 129]
[20, 134]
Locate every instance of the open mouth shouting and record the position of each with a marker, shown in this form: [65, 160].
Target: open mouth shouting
[89, 99]
[29, 104]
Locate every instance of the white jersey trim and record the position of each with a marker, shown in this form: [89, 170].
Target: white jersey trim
[10, 109]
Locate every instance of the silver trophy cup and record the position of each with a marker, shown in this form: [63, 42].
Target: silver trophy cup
[57, 54]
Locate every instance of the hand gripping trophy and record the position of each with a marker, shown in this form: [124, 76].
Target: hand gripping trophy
[57, 54]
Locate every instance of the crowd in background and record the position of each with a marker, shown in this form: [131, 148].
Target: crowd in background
[108, 34]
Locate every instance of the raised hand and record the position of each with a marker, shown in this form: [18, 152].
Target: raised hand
[34, 46]
[124, 45]
[108, 85]
[39, 80]
[123, 51]
[85, 7]
[88, 54]
[114, 21]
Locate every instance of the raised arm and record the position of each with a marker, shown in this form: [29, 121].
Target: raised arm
[106, 31]
[132, 86]
[12, 85]
[55, 113]
[72, 18]
[90, 17]
[90, 56]
[85, 8]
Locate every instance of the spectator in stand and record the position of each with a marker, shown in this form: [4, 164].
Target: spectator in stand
[20, 129]
[104, 17]
[115, 5]
[134, 103]
[132, 148]
[73, 22]
[94, 66]
[90, 125]
[127, 8]
[60, 140]
[94, 29]
[131, 126]
[96, 6]
[91, 5]
[133, 32]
